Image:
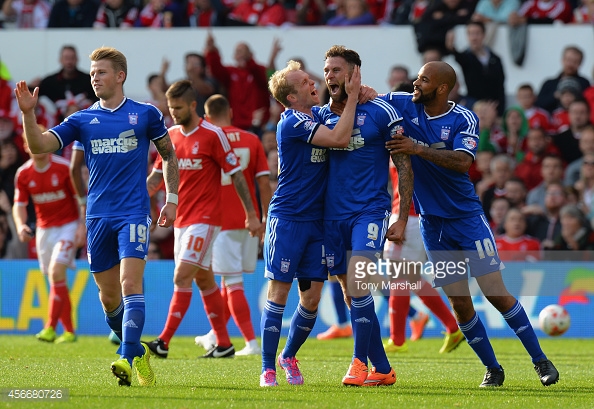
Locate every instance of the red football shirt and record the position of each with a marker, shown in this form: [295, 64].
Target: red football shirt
[249, 150]
[50, 189]
[518, 249]
[201, 155]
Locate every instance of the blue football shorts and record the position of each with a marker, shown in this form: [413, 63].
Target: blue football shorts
[363, 235]
[293, 249]
[113, 238]
[456, 247]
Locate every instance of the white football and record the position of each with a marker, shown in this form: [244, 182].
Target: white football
[554, 320]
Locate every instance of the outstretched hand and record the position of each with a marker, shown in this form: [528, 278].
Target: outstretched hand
[25, 99]
[353, 82]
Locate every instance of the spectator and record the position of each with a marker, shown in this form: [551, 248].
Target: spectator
[28, 13]
[514, 244]
[311, 12]
[515, 128]
[482, 68]
[568, 141]
[116, 14]
[398, 75]
[10, 160]
[154, 251]
[545, 224]
[439, 18]
[536, 116]
[542, 12]
[356, 13]
[588, 95]
[6, 96]
[491, 134]
[155, 85]
[502, 167]
[68, 79]
[568, 91]
[480, 172]
[496, 11]
[259, 13]
[206, 13]
[552, 172]
[9, 131]
[584, 12]
[572, 59]
[586, 145]
[529, 170]
[246, 84]
[585, 185]
[432, 54]
[499, 208]
[515, 192]
[197, 73]
[269, 141]
[273, 166]
[73, 14]
[576, 233]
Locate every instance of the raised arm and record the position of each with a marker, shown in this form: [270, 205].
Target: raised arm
[340, 136]
[171, 178]
[39, 142]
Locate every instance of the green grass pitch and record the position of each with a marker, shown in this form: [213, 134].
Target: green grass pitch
[425, 379]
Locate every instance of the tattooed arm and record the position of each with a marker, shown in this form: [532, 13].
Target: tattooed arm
[405, 191]
[458, 161]
[241, 187]
[171, 178]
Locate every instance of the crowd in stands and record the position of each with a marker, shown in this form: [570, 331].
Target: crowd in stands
[431, 18]
[534, 170]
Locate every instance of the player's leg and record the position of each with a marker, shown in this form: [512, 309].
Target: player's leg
[214, 307]
[367, 240]
[450, 270]
[284, 245]
[512, 311]
[302, 323]
[45, 248]
[485, 265]
[236, 251]
[271, 324]
[240, 311]
[62, 258]
[342, 328]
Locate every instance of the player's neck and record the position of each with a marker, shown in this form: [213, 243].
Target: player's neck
[436, 108]
[193, 124]
[41, 162]
[114, 101]
[337, 107]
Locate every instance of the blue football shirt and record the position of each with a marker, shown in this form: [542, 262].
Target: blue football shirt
[116, 143]
[439, 191]
[358, 174]
[303, 169]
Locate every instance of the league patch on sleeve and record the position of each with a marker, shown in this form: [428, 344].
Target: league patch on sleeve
[469, 143]
[231, 159]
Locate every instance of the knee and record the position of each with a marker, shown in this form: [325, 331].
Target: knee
[110, 301]
[310, 301]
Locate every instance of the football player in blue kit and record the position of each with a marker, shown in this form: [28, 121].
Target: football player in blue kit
[442, 139]
[357, 210]
[116, 133]
[293, 243]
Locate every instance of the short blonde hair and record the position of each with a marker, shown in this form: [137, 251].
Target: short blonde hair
[279, 86]
[118, 60]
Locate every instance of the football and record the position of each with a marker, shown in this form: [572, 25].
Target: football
[554, 320]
